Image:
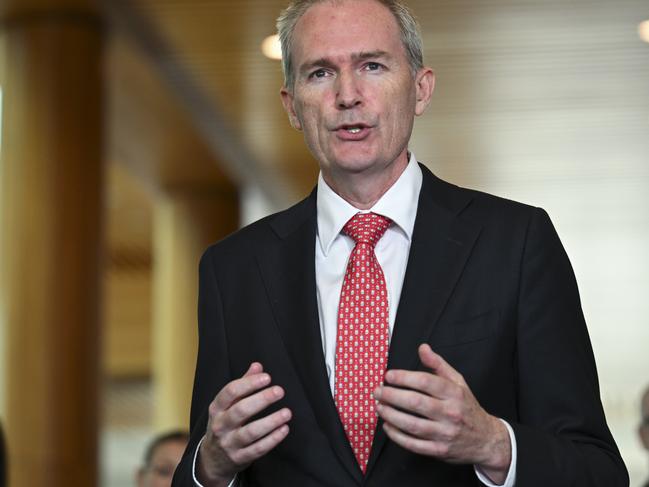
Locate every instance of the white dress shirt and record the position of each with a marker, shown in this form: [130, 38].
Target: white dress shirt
[399, 204]
[333, 249]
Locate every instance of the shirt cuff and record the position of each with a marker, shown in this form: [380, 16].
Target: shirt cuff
[233, 483]
[510, 481]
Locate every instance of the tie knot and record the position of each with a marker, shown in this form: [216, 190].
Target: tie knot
[366, 227]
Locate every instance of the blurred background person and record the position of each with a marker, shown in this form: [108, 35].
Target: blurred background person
[160, 459]
[643, 429]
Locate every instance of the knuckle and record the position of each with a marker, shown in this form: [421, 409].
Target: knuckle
[414, 427]
[217, 430]
[453, 414]
[421, 382]
[226, 445]
[271, 394]
[232, 390]
[246, 435]
[450, 433]
[278, 435]
[258, 430]
[416, 401]
[257, 449]
[237, 457]
[455, 417]
[213, 409]
[240, 411]
[386, 394]
[441, 450]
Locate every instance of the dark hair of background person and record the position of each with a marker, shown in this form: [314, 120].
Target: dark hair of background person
[176, 435]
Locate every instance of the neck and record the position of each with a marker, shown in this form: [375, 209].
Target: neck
[362, 190]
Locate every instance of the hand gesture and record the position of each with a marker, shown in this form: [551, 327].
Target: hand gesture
[232, 441]
[435, 413]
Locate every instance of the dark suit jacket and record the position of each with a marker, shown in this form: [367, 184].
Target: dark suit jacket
[488, 286]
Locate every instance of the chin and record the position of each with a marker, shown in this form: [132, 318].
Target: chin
[354, 166]
[355, 162]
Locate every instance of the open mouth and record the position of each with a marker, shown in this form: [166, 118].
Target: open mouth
[353, 129]
[353, 132]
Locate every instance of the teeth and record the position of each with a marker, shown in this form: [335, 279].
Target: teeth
[354, 130]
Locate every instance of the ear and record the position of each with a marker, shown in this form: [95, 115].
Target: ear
[643, 433]
[139, 477]
[288, 102]
[424, 85]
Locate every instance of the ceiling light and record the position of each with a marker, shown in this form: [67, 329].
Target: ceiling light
[643, 30]
[271, 47]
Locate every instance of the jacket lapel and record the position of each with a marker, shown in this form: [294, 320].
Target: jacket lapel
[288, 271]
[441, 245]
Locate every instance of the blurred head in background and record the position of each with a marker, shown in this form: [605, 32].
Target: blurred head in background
[643, 429]
[161, 458]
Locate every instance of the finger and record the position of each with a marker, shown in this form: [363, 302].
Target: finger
[438, 365]
[256, 430]
[425, 382]
[246, 408]
[409, 401]
[416, 445]
[238, 389]
[255, 368]
[259, 448]
[413, 425]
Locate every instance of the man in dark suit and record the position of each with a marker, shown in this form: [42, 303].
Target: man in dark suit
[451, 315]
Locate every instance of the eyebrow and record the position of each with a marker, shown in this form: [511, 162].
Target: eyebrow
[328, 63]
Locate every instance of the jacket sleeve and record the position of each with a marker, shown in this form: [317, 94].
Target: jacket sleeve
[212, 364]
[562, 436]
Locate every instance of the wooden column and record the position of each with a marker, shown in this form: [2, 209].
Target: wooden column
[185, 223]
[50, 220]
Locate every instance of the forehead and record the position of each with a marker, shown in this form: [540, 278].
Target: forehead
[170, 450]
[333, 29]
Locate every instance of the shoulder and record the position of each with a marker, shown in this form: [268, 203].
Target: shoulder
[264, 232]
[472, 204]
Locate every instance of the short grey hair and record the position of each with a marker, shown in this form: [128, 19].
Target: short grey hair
[408, 27]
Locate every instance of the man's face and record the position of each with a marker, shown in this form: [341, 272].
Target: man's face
[355, 96]
[160, 471]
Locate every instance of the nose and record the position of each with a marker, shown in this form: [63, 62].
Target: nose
[348, 94]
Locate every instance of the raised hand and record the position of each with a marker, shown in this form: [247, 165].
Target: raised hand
[232, 441]
[434, 413]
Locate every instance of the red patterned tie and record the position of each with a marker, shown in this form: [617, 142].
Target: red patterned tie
[363, 334]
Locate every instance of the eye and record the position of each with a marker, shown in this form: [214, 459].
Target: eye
[373, 66]
[318, 73]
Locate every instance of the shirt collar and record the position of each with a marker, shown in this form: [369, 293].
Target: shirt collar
[399, 203]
